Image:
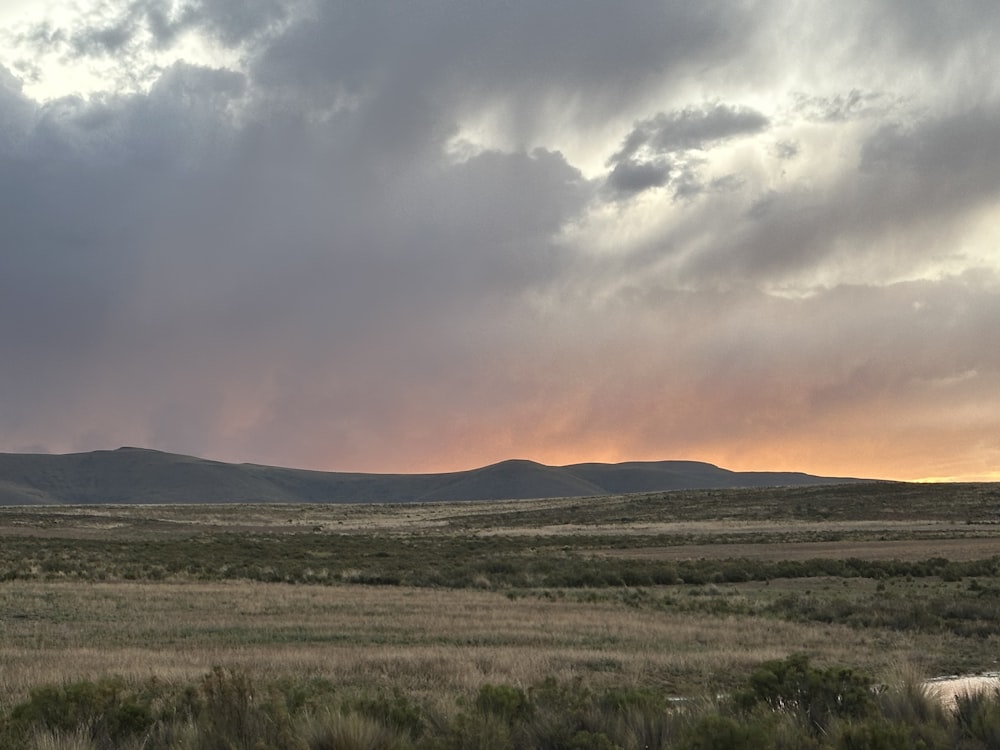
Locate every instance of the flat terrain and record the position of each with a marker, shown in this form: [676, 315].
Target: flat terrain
[909, 550]
[420, 640]
[687, 591]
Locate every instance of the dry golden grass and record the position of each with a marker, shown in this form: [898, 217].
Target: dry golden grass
[909, 549]
[440, 642]
[125, 521]
[428, 641]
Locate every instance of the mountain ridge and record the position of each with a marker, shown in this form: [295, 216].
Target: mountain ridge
[145, 476]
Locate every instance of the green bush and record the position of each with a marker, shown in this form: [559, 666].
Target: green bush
[504, 701]
[787, 704]
[394, 710]
[473, 732]
[106, 708]
[231, 714]
[584, 740]
[350, 731]
[714, 732]
[977, 716]
[793, 685]
[877, 734]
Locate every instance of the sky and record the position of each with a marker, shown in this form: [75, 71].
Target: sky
[392, 236]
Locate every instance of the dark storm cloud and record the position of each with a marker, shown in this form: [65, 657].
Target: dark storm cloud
[16, 111]
[107, 39]
[957, 147]
[401, 236]
[912, 187]
[415, 70]
[88, 189]
[504, 47]
[628, 176]
[931, 31]
[231, 22]
[690, 128]
[187, 225]
[642, 162]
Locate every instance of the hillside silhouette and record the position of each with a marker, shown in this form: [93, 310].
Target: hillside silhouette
[141, 476]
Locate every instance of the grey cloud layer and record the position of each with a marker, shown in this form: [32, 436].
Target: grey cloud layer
[99, 33]
[291, 263]
[648, 159]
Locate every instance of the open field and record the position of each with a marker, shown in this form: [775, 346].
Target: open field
[424, 640]
[906, 550]
[683, 593]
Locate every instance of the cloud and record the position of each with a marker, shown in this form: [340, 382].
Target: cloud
[230, 22]
[949, 145]
[853, 105]
[16, 111]
[786, 149]
[110, 30]
[628, 176]
[645, 158]
[690, 128]
[929, 32]
[529, 71]
[387, 236]
[890, 211]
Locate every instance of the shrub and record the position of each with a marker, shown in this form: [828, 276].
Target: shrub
[105, 710]
[714, 732]
[875, 735]
[562, 697]
[977, 715]
[350, 731]
[793, 685]
[504, 701]
[305, 693]
[909, 700]
[50, 740]
[394, 710]
[475, 732]
[232, 715]
[641, 698]
[647, 728]
[584, 740]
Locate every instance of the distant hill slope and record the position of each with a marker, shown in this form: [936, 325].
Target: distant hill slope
[135, 475]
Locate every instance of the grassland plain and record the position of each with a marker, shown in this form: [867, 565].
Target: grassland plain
[686, 593]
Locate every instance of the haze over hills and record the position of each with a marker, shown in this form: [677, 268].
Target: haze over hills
[141, 476]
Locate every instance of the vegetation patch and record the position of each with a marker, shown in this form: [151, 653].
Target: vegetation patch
[785, 703]
[584, 623]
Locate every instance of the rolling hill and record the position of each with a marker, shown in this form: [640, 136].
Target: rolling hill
[141, 476]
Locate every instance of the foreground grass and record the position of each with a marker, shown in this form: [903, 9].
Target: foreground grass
[785, 703]
[668, 595]
[426, 641]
